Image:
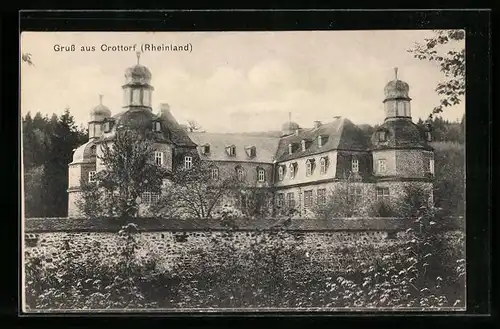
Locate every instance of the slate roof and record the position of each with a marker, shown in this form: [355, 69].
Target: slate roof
[400, 133]
[84, 154]
[339, 134]
[265, 147]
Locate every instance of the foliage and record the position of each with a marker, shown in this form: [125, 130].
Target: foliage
[447, 49]
[449, 184]
[194, 193]
[48, 144]
[193, 126]
[382, 208]
[129, 171]
[81, 279]
[340, 202]
[415, 201]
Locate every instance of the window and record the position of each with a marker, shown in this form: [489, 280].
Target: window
[150, 197]
[206, 149]
[431, 166]
[157, 126]
[382, 165]
[215, 173]
[251, 151]
[382, 193]
[92, 176]
[239, 173]
[290, 200]
[188, 162]
[308, 199]
[107, 127]
[355, 194]
[321, 196]
[93, 150]
[382, 136]
[320, 141]
[281, 171]
[261, 175]
[280, 200]
[322, 164]
[231, 150]
[290, 148]
[355, 165]
[136, 97]
[309, 168]
[159, 158]
[303, 145]
[292, 170]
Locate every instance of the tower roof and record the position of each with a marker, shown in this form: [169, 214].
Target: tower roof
[138, 74]
[100, 111]
[396, 89]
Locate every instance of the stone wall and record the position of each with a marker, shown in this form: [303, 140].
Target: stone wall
[175, 242]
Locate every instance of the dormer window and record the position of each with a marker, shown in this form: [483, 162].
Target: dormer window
[428, 136]
[303, 143]
[251, 151]
[281, 172]
[290, 148]
[320, 141]
[323, 165]
[157, 126]
[382, 136]
[205, 149]
[231, 150]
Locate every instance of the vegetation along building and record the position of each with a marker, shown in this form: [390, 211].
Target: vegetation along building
[300, 168]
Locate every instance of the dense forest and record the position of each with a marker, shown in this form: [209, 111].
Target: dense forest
[48, 145]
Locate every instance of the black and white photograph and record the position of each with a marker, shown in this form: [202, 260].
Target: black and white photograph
[243, 171]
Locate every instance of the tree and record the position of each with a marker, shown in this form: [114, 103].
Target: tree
[130, 171]
[340, 201]
[442, 49]
[193, 126]
[194, 193]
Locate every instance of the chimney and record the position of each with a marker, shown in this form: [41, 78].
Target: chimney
[317, 124]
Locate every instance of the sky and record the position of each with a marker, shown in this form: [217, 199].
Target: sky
[235, 81]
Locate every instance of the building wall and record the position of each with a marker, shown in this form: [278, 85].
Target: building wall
[413, 163]
[73, 211]
[250, 169]
[390, 158]
[301, 170]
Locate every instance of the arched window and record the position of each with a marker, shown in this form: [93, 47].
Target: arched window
[322, 164]
[281, 172]
[309, 167]
[292, 170]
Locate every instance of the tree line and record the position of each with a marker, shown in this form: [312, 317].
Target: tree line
[47, 146]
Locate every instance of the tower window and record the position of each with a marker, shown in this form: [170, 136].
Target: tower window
[281, 172]
[157, 126]
[159, 158]
[92, 175]
[382, 193]
[261, 175]
[431, 166]
[382, 136]
[382, 165]
[136, 97]
[188, 162]
[215, 173]
[355, 165]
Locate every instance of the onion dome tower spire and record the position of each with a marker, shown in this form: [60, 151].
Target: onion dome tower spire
[397, 101]
[137, 90]
[97, 117]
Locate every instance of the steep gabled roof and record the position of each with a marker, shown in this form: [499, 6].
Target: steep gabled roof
[265, 147]
[338, 134]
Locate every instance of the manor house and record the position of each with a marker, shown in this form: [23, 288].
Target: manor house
[299, 167]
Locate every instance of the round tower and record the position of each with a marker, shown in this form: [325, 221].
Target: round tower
[402, 157]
